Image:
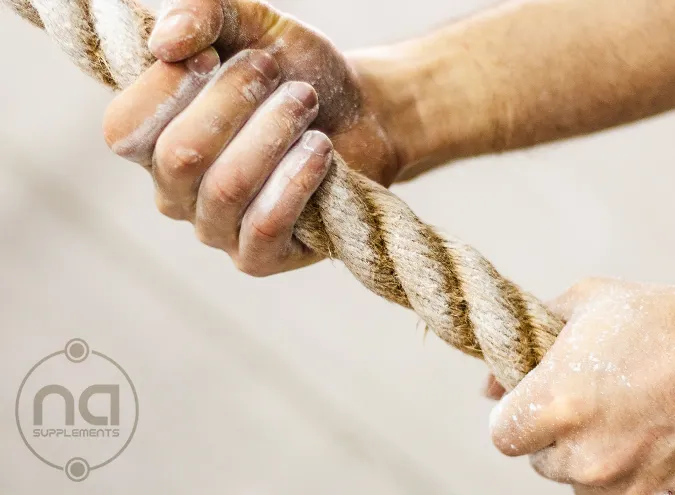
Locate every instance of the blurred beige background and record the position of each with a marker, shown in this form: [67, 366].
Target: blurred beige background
[301, 383]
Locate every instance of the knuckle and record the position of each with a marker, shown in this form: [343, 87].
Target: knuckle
[253, 266]
[120, 139]
[128, 150]
[262, 249]
[605, 465]
[249, 93]
[264, 230]
[203, 235]
[567, 411]
[599, 472]
[539, 463]
[219, 124]
[248, 83]
[552, 463]
[177, 161]
[169, 208]
[210, 237]
[233, 191]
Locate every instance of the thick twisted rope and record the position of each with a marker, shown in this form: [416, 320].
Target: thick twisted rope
[456, 291]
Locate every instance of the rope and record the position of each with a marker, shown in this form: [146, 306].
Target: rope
[454, 289]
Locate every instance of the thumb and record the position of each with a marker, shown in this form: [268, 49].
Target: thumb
[186, 27]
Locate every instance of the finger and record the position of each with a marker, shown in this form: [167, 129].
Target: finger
[188, 26]
[528, 420]
[590, 490]
[136, 118]
[266, 243]
[185, 27]
[493, 389]
[553, 463]
[239, 173]
[624, 488]
[192, 141]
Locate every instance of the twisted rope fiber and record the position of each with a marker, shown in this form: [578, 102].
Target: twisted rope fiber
[454, 289]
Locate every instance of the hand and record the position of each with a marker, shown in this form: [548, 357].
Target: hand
[599, 411]
[229, 147]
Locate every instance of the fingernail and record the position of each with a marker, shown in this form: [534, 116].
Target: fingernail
[302, 92]
[265, 64]
[174, 28]
[317, 143]
[204, 63]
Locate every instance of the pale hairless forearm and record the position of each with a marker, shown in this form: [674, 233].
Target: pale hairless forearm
[524, 73]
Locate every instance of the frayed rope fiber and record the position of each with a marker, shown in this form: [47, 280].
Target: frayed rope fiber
[454, 289]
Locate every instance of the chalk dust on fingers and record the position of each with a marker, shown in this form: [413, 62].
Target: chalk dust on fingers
[290, 167]
[138, 146]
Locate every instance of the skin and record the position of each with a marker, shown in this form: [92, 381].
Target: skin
[507, 78]
[238, 119]
[230, 147]
[598, 412]
[523, 73]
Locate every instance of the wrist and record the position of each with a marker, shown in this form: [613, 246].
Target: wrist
[434, 104]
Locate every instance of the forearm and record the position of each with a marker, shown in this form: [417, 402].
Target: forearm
[524, 73]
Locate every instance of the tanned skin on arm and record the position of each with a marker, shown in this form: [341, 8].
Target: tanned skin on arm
[520, 74]
[524, 73]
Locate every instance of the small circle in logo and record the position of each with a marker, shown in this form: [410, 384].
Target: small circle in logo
[77, 410]
[77, 350]
[77, 469]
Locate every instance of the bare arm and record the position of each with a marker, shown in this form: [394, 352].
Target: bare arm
[241, 160]
[524, 73]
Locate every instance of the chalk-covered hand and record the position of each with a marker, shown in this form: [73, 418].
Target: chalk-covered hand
[229, 146]
[599, 412]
